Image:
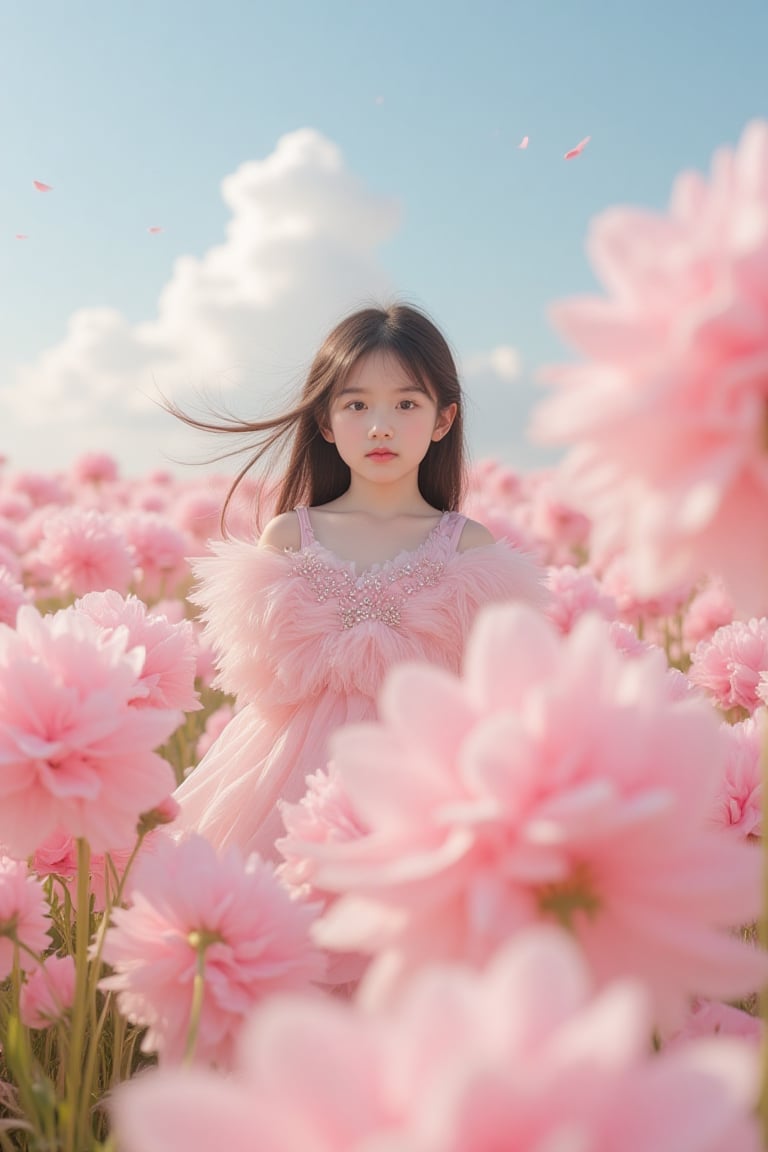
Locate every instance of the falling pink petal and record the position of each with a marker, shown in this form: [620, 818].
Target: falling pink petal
[21, 236]
[154, 229]
[578, 149]
[523, 143]
[42, 187]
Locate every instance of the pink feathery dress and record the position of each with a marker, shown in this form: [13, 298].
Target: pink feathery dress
[304, 643]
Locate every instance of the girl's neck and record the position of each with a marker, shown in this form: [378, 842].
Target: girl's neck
[382, 501]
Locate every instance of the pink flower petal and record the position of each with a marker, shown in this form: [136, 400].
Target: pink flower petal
[523, 143]
[42, 187]
[578, 149]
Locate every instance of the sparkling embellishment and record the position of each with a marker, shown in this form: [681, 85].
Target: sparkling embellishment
[375, 595]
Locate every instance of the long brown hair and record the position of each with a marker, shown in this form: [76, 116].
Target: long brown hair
[315, 473]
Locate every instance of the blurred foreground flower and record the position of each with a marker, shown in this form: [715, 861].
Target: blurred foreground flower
[518, 1057]
[560, 781]
[667, 418]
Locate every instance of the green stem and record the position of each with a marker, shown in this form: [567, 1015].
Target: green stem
[196, 1010]
[78, 1093]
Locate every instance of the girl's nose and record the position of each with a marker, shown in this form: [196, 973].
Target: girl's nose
[379, 430]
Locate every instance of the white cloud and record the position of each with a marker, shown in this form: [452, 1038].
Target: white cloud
[502, 362]
[300, 250]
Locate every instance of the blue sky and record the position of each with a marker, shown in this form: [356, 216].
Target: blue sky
[136, 112]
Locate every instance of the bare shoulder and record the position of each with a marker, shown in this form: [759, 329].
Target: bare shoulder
[474, 535]
[282, 533]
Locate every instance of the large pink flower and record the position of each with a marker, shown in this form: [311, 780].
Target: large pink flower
[23, 915]
[729, 666]
[518, 1057]
[189, 903]
[558, 781]
[85, 551]
[170, 649]
[667, 417]
[75, 753]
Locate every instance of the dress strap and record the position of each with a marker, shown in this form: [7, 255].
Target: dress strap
[305, 524]
[455, 526]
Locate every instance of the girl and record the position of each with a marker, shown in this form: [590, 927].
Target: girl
[368, 562]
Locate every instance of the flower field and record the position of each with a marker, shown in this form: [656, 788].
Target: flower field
[519, 910]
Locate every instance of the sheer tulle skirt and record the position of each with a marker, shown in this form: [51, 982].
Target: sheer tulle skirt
[232, 796]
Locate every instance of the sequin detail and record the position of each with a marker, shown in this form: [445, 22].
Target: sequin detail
[376, 595]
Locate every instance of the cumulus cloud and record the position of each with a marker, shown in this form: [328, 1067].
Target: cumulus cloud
[300, 250]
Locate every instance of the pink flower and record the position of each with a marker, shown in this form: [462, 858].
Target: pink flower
[517, 1057]
[167, 679]
[626, 640]
[10, 564]
[15, 506]
[56, 855]
[323, 815]
[575, 591]
[619, 582]
[710, 609]
[711, 1018]
[738, 804]
[160, 551]
[9, 536]
[198, 512]
[85, 551]
[48, 992]
[40, 488]
[553, 521]
[95, 468]
[496, 499]
[75, 754]
[729, 666]
[191, 906]
[12, 596]
[666, 416]
[23, 915]
[557, 781]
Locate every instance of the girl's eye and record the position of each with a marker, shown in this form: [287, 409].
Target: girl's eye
[356, 405]
[407, 405]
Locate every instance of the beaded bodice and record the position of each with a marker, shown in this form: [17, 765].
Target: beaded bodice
[379, 593]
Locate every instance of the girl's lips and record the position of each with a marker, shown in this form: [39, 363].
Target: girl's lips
[381, 454]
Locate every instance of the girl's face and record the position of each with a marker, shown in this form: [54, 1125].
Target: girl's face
[382, 422]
